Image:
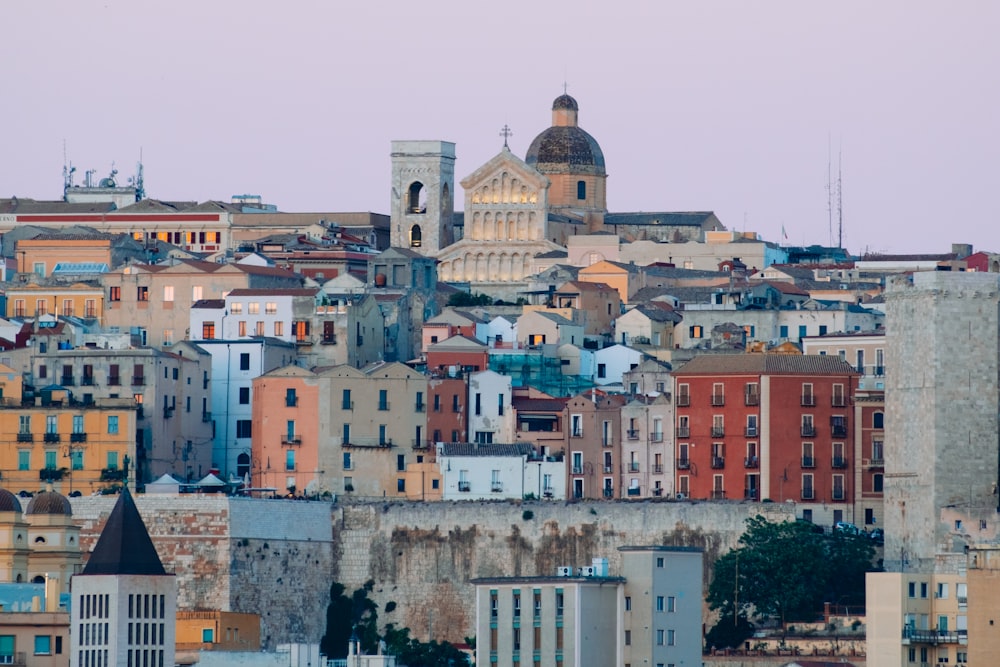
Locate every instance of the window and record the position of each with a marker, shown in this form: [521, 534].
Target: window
[401, 485]
[241, 328]
[602, 370]
[258, 328]
[279, 328]
[168, 293]
[660, 603]
[942, 592]
[24, 459]
[581, 190]
[628, 603]
[253, 308]
[115, 294]
[290, 459]
[783, 331]
[112, 424]
[168, 337]
[208, 330]
[196, 293]
[142, 293]
[877, 483]
[479, 404]
[671, 638]
[112, 461]
[346, 435]
[43, 645]
[923, 589]
[659, 561]
[878, 420]
[695, 331]
[345, 400]
[236, 308]
[244, 428]
[207, 636]
[270, 308]
[51, 424]
[244, 361]
[51, 460]
[348, 463]
[76, 459]
[912, 589]
[77, 423]
[628, 638]
[659, 637]
[400, 462]
[671, 604]
[244, 395]
[24, 424]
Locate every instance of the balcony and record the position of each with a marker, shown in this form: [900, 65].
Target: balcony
[576, 433]
[18, 659]
[577, 470]
[420, 444]
[633, 491]
[51, 474]
[683, 400]
[718, 494]
[807, 493]
[838, 494]
[383, 407]
[137, 380]
[25, 437]
[168, 412]
[683, 432]
[291, 440]
[633, 434]
[206, 417]
[838, 402]
[808, 400]
[608, 492]
[496, 487]
[420, 407]
[633, 466]
[808, 431]
[718, 400]
[347, 405]
[838, 430]
[839, 462]
[112, 475]
[718, 462]
[114, 380]
[291, 401]
[657, 468]
[548, 492]
[751, 462]
[750, 432]
[808, 462]
[607, 443]
[87, 381]
[609, 469]
[751, 399]
[658, 491]
[718, 431]
[933, 636]
[874, 463]
[78, 437]
[67, 381]
[464, 487]
[329, 339]
[657, 436]
[751, 494]
[683, 463]
[303, 340]
[52, 437]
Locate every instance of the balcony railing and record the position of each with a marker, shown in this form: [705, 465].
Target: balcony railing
[168, 412]
[718, 494]
[838, 494]
[347, 405]
[548, 492]
[751, 494]
[751, 399]
[464, 487]
[875, 463]
[808, 462]
[808, 431]
[291, 401]
[683, 431]
[633, 491]
[608, 492]
[609, 469]
[78, 437]
[496, 487]
[138, 380]
[839, 462]
[718, 462]
[718, 431]
[838, 430]
[51, 474]
[291, 440]
[718, 399]
[751, 462]
[657, 491]
[420, 407]
[934, 636]
[25, 437]
[114, 380]
[657, 468]
[577, 470]
[87, 381]
[633, 466]
[52, 437]
[633, 434]
[750, 432]
[656, 436]
[67, 381]
[683, 400]
[683, 463]
[576, 433]
[112, 475]
[807, 493]
[808, 400]
[383, 407]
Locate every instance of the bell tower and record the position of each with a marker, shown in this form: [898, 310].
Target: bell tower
[423, 191]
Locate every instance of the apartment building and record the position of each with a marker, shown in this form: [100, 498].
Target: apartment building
[168, 392]
[778, 426]
[49, 298]
[598, 303]
[446, 412]
[498, 471]
[490, 414]
[647, 464]
[593, 444]
[583, 617]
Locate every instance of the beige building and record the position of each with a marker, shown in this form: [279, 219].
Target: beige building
[647, 462]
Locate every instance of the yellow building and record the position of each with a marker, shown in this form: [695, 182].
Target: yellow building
[54, 438]
[43, 253]
[32, 300]
[214, 630]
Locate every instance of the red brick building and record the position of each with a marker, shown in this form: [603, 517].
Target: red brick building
[768, 426]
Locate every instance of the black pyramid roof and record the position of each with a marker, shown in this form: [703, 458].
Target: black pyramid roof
[124, 546]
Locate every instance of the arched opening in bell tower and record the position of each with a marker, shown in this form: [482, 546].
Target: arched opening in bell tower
[416, 201]
[416, 236]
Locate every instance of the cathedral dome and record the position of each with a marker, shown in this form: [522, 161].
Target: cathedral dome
[49, 502]
[9, 502]
[565, 147]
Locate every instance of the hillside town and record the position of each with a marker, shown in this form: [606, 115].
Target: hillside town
[520, 402]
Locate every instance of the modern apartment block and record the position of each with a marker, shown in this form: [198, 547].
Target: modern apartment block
[778, 426]
[583, 617]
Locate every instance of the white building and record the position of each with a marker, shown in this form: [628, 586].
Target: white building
[490, 415]
[610, 363]
[471, 471]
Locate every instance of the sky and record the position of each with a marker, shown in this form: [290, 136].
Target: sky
[742, 108]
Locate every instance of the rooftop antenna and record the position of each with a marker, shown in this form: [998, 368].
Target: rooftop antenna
[829, 188]
[505, 132]
[68, 170]
[840, 202]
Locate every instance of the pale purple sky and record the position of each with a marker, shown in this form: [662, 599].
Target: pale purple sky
[698, 105]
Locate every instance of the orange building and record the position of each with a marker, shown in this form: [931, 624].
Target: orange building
[285, 432]
[32, 300]
[768, 426]
[41, 255]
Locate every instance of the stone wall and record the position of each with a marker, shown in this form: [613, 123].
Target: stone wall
[279, 557]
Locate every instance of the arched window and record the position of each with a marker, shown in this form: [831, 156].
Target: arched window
[581, 189]
[878, 420]
[38, 580]
[416, 201]
[243, 464]
[39, 540]
[415, 236]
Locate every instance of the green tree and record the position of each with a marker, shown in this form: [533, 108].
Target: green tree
[786, 570]
[464, 299]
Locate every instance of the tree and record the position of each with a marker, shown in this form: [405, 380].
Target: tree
[786, 570]
[464, 299]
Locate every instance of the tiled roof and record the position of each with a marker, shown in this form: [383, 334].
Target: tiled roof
[539, 404]
[493, 449]
[767, 364]
[124, 546]
[278, 291]
[691, 219]
[209, 303]
[552, 254]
